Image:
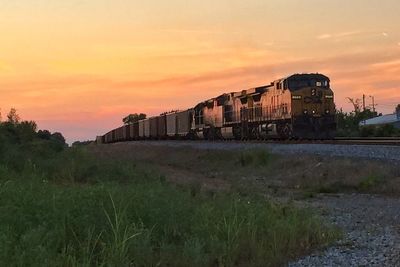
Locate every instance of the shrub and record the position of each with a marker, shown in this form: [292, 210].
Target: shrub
[259, 157]
[367, 131]
[370, 182]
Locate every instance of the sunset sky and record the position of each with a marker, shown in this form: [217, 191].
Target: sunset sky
[79, 66]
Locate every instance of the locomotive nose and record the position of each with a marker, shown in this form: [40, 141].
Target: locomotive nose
[313, 92]
[316, 92]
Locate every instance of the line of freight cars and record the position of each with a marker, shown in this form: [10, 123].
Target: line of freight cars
[171, 125]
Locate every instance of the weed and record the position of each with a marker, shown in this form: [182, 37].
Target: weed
[254, 158]
[370, 182]
[122, 233]
[309, 194]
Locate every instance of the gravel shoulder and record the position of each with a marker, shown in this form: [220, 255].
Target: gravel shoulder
[391, 153]
[371, 231]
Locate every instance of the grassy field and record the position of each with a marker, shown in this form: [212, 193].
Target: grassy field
[80, 208]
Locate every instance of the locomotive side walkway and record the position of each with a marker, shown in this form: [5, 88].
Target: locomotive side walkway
[379, 152]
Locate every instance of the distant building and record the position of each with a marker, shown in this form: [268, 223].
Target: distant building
[385, 119]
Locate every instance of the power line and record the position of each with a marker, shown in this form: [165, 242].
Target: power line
[390, 103]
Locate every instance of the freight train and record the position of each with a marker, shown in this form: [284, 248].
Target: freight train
[300, 106]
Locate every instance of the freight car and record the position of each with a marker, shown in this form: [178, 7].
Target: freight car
[146, 128]
[178, 124]
[298, 106]
[171, 124]
[133, 131]
[162, 127]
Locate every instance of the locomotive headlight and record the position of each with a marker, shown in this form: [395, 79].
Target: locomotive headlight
[305, 111]
[313, 112]
[327, 111]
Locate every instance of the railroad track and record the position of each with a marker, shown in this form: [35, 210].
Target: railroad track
[395, 141]
[388, 141]
[382, 141]
[378, 141]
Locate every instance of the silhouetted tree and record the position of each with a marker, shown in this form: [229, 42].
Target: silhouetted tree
[348, 123]
[26, 130]
[81, 143]
[58, 140]
[44, 134]
[356, 104]
[58, 137]
[13, 117]
[132, 118]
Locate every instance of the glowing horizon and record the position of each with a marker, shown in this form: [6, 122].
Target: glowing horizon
[78, 67]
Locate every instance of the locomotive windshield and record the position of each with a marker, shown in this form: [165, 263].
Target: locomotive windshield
[301, 81]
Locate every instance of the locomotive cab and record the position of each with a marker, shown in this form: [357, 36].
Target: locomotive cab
[313, 108]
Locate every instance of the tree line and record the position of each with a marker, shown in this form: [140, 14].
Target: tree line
[15, 132]
[348, 123]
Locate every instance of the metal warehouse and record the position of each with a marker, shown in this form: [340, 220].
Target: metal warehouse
[385, 119]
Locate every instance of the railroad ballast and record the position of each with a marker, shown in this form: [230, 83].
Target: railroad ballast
[298, 106]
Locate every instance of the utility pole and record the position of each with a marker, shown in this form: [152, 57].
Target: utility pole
[373, 103]
[363, 102]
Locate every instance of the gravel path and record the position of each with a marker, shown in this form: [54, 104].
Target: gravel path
[360, 151]
[371, 226]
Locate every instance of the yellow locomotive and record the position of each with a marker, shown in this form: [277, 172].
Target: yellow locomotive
[298, 106]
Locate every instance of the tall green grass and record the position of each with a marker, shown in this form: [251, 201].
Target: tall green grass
[72, 209]
[255, 157]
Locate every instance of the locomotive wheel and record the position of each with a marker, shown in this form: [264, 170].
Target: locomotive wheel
[237, 133]
[254, 134]
[205, 134]
[286, 131]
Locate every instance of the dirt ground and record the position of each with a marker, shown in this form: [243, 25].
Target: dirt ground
[257, 170]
